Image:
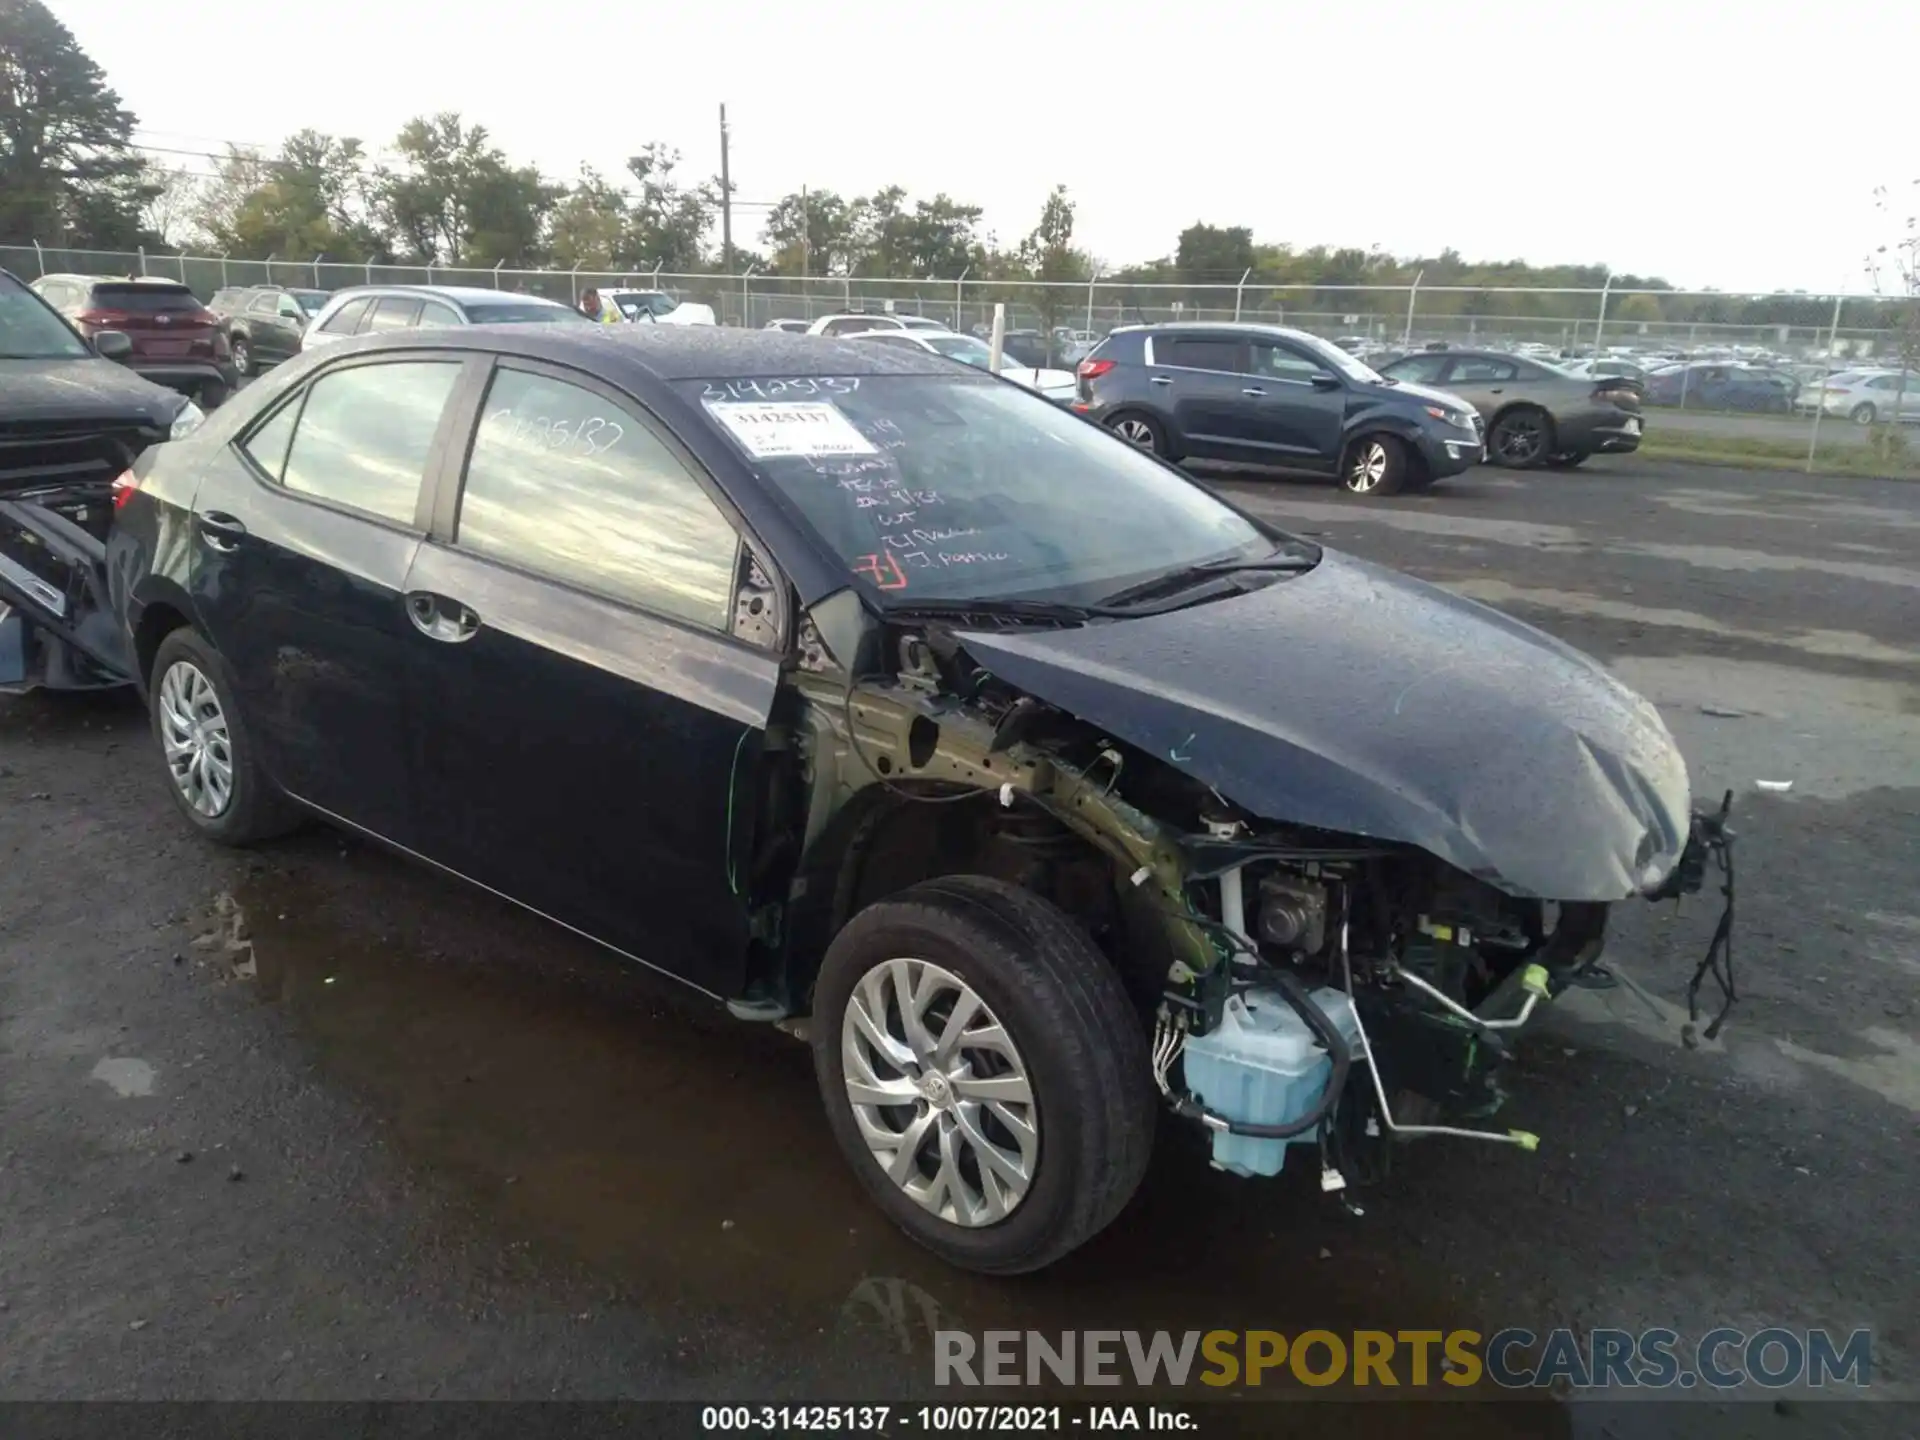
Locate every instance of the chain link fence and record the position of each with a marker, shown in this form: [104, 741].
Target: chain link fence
[1835, 392]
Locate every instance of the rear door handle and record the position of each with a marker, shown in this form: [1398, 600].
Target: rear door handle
[220, 530]
[1161, 380]
[1253, 390]
[438, 618]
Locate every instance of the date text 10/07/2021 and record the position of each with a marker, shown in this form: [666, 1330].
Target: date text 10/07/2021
[942, 1419]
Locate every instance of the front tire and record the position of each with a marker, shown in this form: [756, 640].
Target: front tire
[213, 773]
[1374, 465]
[1521, 439]
[242, 357]
[984, 1072]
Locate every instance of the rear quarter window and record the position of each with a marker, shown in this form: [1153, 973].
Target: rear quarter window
[1127, 348]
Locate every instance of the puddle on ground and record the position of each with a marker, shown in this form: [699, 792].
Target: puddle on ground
[684, 1160]
[128, 1078]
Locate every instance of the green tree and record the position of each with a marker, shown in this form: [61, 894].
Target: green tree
[589, 224]
[318, 197]
[810, 233]
[1211, 254]
[458, 201]
[668, 221]
[68, 171]
[1048, 256]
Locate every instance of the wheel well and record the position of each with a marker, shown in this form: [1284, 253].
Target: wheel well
[157, 621]
[891, 843]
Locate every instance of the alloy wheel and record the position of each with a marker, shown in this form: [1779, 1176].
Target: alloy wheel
[1369, 467]
[1522, 439]
[242, 358]
[940, 1092]
[194, 734]
[1139, 432]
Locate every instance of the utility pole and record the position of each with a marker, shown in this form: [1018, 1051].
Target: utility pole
[806, 234]
[726, 200]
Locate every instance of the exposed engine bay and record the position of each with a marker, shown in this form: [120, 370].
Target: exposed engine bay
[1305, 987]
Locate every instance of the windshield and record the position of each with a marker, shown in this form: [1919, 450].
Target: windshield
[958, 487]
[634, 304]
[522, 312]
[1338, 360]
[30, 331]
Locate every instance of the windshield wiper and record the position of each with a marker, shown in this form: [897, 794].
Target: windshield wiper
[1058, 610]
[1173, 581]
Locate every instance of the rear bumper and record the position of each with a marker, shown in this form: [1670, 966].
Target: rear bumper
[1607, 431]
[189, 377]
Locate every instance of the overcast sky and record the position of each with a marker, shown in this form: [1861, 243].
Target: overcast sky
[1711, 144]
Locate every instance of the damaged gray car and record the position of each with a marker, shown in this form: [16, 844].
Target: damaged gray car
[1041, 789]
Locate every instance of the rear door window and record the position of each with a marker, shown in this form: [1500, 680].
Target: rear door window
[394, 312]
[566, 483]
[346, 319]
[1472, 370]
[364, 434]
[1418, 369]
[1195, 352]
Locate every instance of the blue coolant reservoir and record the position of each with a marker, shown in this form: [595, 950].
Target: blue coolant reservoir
[1262, 1065]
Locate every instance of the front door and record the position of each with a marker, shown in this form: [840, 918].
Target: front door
[1482, 381]
[593, 727]
[303, 535]
[1290, 417]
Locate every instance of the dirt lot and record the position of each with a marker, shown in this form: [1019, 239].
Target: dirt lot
[430, 1147]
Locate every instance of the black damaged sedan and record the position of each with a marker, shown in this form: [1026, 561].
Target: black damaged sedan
[1039, 788]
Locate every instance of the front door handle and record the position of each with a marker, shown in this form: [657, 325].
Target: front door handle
[220, 530]
[1253, 390]
[438, 618]
[1161, 380]
[1497, 390]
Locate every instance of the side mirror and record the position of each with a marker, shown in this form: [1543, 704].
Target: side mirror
[1325, 380]
[112, 344]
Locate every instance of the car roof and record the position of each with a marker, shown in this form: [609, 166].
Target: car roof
[120, 279]
[463, 294]
[635, 355]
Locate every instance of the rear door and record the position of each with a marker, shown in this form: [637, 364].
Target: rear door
[1200, 377]
[593, 723]
[1485, 382]
[303, 533]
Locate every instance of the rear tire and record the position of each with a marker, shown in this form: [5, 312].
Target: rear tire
[1140, 430]
[1864, 414]
[1374, 465]
[1569, 460]
[1521, 438]
[212, 770]
[1051, 1011]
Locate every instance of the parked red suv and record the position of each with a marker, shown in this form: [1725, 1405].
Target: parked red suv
[177, 341]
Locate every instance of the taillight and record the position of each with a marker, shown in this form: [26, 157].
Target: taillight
[103, 319]
[1093, 369]
[124, 484]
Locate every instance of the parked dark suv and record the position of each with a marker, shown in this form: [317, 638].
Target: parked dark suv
[265, 321]
[177, 341]
[1263, 395]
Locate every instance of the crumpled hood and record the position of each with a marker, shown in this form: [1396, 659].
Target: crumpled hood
[1356, 699]
[89, 390]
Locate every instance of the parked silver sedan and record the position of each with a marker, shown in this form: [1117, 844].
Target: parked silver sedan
[1536, 413]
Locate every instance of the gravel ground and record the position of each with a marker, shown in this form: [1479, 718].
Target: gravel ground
[415, 1144]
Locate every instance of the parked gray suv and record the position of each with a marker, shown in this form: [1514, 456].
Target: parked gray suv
[375, 309]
